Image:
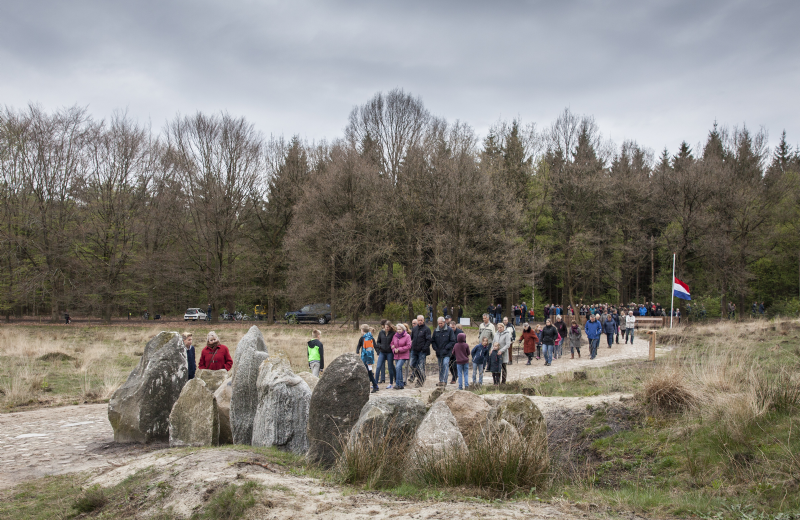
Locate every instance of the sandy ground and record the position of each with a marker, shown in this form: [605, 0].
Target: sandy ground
[193, 477]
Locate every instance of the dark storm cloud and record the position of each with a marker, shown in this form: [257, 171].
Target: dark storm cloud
[658, 73]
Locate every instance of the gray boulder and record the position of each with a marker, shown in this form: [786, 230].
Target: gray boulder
[310, 379]
[281, 418]
[194, 420]
[139, 409]
[521, 412]
[250, 353]
[223, 397]
[335, 406]
[212, 378]
[438, 432]
[391, 415]
[470, 411]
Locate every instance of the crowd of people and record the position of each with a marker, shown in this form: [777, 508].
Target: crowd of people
[397, 346]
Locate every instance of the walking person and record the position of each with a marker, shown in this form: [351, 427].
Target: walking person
[385, 354]
[539, 345]
[495, 363]
[503, 338]
[498, 313]
[461, 353]
[574, 334]
[316, 355]
[442, 342]
[609, 329]
[401, 346]
[456, 331]
[593, 330]
[630, 325]
[486, 330]
[480, 356]
[561, 327]
[366, 346]
[529, 341]
[549, 336]
[420, 349]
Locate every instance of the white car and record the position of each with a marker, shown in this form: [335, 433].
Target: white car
[194, 314]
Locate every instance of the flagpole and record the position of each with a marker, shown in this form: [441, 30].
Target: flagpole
[672, 303]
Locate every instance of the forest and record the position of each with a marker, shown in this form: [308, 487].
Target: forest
[109, 217]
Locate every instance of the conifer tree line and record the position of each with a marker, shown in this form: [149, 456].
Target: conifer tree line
[109, 217]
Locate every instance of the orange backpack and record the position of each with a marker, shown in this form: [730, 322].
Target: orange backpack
[368, 344]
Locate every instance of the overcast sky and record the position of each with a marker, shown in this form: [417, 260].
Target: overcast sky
[654, 72]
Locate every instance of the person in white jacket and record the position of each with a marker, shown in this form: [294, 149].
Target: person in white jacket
[630, 324]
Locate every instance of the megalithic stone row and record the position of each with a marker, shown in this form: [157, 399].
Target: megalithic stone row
[194, 420]
[282, 415]
[336, 404]
[139, 409]
[250, 353]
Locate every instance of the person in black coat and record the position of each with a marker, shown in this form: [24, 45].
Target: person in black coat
[453, 366]
[190, 358]
[442, 342]
[420, 349]
[385, 354]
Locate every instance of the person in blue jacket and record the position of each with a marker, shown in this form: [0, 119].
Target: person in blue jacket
[480, 356]
[593, 330]
[610, 329]
[367, 348]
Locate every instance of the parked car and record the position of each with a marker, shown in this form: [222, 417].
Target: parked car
[316, 312]
[194, 314]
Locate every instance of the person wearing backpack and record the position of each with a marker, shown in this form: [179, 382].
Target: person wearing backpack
[366, 346]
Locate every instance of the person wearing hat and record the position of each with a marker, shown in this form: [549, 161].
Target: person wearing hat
[215, 356]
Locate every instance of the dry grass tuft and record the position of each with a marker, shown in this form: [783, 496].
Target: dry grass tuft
[667, 393]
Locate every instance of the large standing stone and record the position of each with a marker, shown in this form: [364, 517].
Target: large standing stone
[194, 420]
[139, 409]
[282, 415]
[471, 412]
[223, 397]
[439, 431]
[392, 415]
[212, 378]
[310, 379]
[520, 412]
[336, 403]
[250, 353]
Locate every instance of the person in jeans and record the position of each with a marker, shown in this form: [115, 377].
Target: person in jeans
[593, 330]
[480, 356]
[549, 335]
[461, 353]
[420, 349]
[401, 346]
[561, 326]
[316, 355]
[367, 348]
[630, 324]
[442, 342]
[385, 354]
[610, 329]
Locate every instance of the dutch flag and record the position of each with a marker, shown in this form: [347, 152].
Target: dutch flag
[680, 290]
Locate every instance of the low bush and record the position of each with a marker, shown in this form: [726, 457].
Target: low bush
[230, 502]
[667, 393]
[90, 500]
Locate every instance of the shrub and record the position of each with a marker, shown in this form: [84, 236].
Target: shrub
[90, 500]
[373, 458]
[230, 502]
[498, 461]
[666, 393]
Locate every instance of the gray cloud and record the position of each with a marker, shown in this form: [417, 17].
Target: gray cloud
[657, 73]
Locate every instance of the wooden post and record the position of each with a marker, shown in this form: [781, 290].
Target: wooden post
[652, 344]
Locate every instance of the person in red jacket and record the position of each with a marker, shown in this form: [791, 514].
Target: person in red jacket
[215, 356]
